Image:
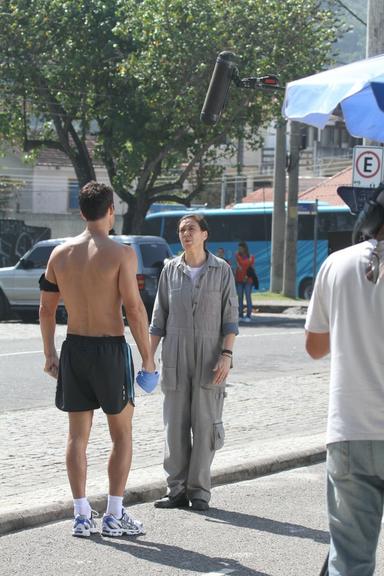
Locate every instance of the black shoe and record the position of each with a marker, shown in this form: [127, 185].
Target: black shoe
[180, 501]
[200, 505]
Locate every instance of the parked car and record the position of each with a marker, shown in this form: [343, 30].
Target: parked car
[19, 289]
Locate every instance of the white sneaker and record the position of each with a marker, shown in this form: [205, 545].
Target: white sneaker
[247, 319]
[113, 526]
[84, 526]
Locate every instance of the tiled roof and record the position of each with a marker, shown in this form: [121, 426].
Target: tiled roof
[323, 189]
[327, 190]
[53, 157]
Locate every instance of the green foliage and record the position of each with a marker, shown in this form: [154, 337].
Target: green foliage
[141, 68]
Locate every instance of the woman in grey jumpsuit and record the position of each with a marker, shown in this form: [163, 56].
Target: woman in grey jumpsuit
[196, 314]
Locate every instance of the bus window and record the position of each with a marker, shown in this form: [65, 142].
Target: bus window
[170, 229]
[334, 222]
[152, 227]
[219, 228]
[246, 227]
[305, 229]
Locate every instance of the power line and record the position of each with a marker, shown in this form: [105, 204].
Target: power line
[351, 12]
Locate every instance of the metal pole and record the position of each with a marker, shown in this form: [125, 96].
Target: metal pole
[315, 240]
[278, 216]
[223, 191]
[291, 221]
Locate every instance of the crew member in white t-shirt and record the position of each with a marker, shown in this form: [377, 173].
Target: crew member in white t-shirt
[346, 318]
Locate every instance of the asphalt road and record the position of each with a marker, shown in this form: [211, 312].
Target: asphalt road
[269, 347]
[272, 526]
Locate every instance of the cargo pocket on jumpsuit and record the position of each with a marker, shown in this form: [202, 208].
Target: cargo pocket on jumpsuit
[218, 432]
[218, 436]
[169, 354]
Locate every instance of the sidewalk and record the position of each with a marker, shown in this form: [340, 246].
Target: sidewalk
[270, 426]
[279, 305]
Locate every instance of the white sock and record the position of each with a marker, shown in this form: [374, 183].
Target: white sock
[115, 505]
[82, 506]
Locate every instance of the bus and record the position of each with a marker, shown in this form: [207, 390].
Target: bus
[322, 229]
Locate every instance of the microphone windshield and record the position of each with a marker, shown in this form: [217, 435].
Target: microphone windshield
[217, 92]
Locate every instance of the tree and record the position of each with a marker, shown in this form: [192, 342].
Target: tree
[136, 71]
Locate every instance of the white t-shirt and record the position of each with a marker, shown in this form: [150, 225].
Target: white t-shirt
[349, 307]
[194, 272]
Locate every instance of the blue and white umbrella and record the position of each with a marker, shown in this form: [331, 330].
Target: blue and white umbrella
[358, 88]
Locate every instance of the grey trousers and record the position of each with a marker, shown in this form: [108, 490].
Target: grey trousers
[193, 432]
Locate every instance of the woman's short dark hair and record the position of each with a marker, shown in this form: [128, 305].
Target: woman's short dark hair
[203, 224]
[94, 200]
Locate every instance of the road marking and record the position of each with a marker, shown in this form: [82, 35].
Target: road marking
[264, 334]
[34, 352]
[133, 345]
[21, 353]
[220, 572]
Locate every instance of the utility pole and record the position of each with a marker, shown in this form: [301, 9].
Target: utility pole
[278, 216]
[240, 163]
[291, 222]
[375, 39]
[375, 24]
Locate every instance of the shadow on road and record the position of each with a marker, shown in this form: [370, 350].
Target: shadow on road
[266, 525]
[178, 557]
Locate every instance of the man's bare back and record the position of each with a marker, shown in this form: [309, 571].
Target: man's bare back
[95, 275]
[90, 271]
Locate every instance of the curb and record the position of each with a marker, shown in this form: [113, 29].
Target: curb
[63, 510]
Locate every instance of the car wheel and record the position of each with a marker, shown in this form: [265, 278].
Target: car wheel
[29, 316]
[61, 316]
[4, 306]
[306, 288]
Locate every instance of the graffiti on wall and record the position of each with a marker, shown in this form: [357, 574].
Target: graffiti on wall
[16, 238]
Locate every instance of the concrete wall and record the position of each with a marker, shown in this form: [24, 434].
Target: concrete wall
[62, 225]
[51, 189]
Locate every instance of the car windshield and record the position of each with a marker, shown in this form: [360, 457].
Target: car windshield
[39, 256]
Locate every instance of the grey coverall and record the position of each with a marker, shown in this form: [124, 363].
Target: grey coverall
[193, 320]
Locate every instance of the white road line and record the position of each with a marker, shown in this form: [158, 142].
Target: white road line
[220, 572]
[21, 353]
[25, 353]
[264, 334]
[133, 345]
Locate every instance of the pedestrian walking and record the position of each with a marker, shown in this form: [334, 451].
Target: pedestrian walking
[196, 314]
[94, 275]
[244, 281]
[346, 318]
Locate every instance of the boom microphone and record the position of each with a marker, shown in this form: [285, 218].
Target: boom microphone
[217, 92]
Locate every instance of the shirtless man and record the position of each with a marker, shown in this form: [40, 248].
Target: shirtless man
[94, 275]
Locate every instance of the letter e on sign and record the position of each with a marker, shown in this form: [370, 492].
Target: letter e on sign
[367, 166]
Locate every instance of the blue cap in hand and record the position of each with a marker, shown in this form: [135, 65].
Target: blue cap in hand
[147, 380]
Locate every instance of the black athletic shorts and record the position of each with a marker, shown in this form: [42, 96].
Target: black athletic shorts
[95, 372]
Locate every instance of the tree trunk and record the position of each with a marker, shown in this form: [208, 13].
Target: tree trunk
[84, 170]
[137, 209]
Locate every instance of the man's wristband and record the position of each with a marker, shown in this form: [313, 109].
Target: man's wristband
[226, 352]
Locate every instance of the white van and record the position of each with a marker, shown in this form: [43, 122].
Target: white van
[19, 284]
